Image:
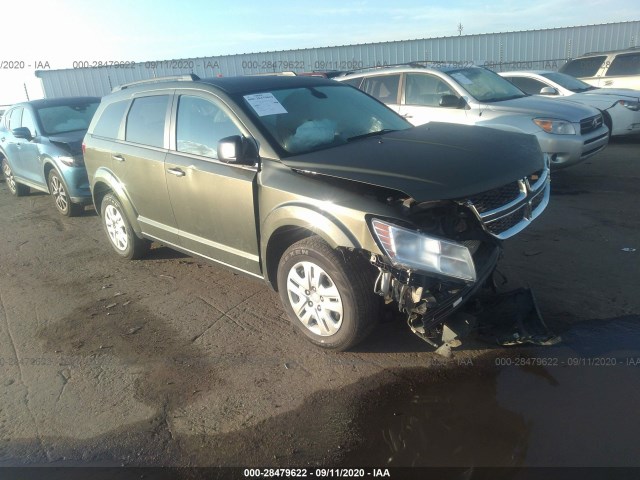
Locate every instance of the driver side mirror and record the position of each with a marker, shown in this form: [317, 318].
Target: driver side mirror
[22, 132]
[451, 101]
[238, 150]
[548, 91]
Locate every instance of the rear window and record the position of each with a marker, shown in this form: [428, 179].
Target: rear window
[66, 118]
[146, 120]
[625, 64]
[109, 123]
[583, 67]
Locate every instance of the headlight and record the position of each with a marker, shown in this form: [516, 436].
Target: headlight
[559, 127]
[635, 106]
[76, 161]
[410, 249]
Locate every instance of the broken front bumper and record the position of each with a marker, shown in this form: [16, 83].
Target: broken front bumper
[428, 300]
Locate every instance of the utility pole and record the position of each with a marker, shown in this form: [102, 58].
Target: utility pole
[460, 28]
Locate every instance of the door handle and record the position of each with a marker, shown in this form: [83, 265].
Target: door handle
[176, 171]
[406, 115]
[119, 158]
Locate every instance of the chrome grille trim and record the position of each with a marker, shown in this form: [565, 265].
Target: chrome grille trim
[590, 124]
[515, 216]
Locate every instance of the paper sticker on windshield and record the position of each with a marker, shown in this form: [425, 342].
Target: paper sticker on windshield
[265, 104]
[461, 78]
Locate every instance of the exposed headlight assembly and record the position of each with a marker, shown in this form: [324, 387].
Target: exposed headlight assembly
[417, 251]
[552, 125]
[631, 105]
[75, 161]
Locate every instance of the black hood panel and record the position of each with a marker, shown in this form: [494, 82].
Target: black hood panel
[436, 161]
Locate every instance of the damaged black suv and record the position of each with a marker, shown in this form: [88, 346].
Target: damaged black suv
[332, 198]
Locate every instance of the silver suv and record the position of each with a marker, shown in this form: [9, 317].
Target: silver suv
[568, 132]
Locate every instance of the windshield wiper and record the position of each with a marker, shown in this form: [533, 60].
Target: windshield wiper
[371, 134]
[501, 99]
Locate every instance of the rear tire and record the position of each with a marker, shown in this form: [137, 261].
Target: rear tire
[118, 228]
[15, 188]
[328, 294]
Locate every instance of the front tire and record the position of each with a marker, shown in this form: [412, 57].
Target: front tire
[327, 294]
[60, 195]
[15, 188]
[121, 236]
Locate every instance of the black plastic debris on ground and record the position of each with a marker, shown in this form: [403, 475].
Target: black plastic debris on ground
[512, 318]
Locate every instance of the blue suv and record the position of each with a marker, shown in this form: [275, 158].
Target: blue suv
[41, 148]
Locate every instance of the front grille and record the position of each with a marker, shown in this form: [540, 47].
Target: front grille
[537, 200]
[506, 210]
[590, 124]
[496, 198]
[503, 224]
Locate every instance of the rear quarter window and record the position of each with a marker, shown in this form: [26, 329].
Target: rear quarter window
[109, 122]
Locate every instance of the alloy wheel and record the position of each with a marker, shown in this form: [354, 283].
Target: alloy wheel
[116, 227]
[315, 299]
[59, 193]
[8, 175]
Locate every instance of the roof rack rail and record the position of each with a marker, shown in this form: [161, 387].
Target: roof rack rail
[634, 47]
[413, 63]
[179, 78]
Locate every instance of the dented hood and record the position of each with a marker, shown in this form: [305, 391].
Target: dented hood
[436, 161]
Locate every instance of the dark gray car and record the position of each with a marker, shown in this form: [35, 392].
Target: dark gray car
[315, 187]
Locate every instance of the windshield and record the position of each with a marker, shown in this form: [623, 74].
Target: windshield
[66, 118]
[485, 85]
[305, 119]
[568, 82]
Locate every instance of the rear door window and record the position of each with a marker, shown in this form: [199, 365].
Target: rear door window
[382, 87]
[354, 82]
[146, 120]
[624, 64]
[583, 67]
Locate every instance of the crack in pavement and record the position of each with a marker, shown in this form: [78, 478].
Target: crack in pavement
[24, 384]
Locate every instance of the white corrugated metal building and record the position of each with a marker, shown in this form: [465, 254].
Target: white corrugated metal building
[549, 48]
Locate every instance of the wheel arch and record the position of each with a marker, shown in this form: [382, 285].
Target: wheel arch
[288, 225]
[105, 182]
[47, 166]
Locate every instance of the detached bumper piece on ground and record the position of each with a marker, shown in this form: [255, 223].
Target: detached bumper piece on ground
[505, 319]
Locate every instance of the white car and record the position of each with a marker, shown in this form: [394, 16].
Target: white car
[620, 106]
[567, 131]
